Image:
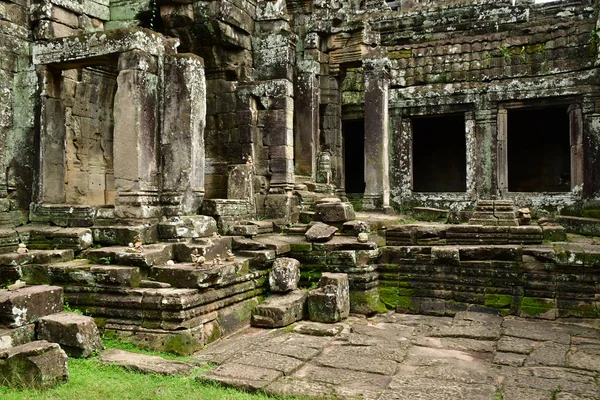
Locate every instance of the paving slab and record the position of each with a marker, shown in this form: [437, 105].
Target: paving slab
[144, 363]
[395, 357]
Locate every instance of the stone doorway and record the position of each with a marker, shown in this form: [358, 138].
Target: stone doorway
[439, 153]
[539, 158]
[353, 132]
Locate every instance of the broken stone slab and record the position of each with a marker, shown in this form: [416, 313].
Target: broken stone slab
[77, 334]
[37, 257]
[35, 365]
[331, 301]
[154, 284]
[154, 254]
[240, 243]
[318, 329]
[320, 232]
[185, 227]
[263, 226]
[144, 363]
[27, 305]
[280, 310]
[242, 376]
[284, 275]
[335, 212]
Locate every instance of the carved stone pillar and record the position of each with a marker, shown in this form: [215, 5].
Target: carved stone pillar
[377, 189]
[135, 137]
[182, 140]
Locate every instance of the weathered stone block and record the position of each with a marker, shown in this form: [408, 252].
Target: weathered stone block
[243, 230]
[27, 305]
[183, 227]
[320, 232]
[280, 310]
[77, 334]
[332, 212]
[37, 365]
[285, 275]
[331, 302]
[144, 363]
[16, 337]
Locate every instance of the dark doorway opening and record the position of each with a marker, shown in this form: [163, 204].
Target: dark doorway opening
[353, 132]
[539, 154]
[439, 153]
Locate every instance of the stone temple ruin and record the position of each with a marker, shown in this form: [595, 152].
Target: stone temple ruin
[159, 157]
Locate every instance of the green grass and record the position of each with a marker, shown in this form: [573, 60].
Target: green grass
[91, 380]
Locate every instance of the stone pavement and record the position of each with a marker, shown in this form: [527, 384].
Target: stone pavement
[398, 356]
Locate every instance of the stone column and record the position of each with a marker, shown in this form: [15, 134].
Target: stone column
[377, 81]
[306, 123]
[135, 137]
[576, 133]
[53, 135]
[182, 139]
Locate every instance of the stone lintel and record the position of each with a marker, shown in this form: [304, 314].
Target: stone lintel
[98, 47]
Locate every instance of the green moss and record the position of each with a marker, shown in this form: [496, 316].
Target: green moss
[388, 296]
[366, 302]
[591, 213]
[301, 247]
[406, 292]
[405, 303]
[536, 306]
[498, 300]
[405, 53]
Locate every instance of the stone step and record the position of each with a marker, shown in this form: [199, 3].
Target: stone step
[35, 365]
[153, 254]
[580, 225]
[207, 247]
[296, 229]
[82, 272]
[187, 227]
[26, 305]
[122, 235]
[165, 308]
[280, 310]
[187, 275]
[241, 243]
[9, 239]
[16, 336]
[264, 226]
[53, 237]
[144, 363]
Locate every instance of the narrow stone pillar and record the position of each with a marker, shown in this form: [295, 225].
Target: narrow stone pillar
[306, 123]
[135, 137]
[182, 139]
[53, 136]
[577, 156]
[377, 81]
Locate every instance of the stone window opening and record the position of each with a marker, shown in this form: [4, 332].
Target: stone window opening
[439, 153]
[353, 133]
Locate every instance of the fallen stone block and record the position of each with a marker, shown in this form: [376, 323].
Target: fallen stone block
[331, 301]
[17, 336]
[280, 310]
[430, 214]
[35, 365]
[320, 232]
[77, 334]
[144, 363]
[27, 305]
[335, 212]
[243, 230]
[284, 275]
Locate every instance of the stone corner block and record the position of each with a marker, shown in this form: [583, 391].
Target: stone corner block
[77, 334]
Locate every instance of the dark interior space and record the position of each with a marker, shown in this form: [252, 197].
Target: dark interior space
[539, 150]
[439, 154]
[354, 155]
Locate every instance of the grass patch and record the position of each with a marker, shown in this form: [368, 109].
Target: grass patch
[91, 380]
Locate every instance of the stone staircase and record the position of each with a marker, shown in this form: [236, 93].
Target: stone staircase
[156, 297]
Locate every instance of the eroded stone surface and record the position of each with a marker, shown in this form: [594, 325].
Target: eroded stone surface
[77, 334]
[398, 356]
[144, 363]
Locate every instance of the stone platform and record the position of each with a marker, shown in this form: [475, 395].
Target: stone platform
[397, 356]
